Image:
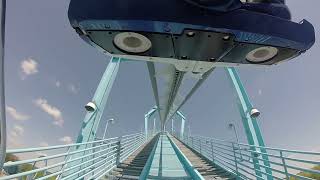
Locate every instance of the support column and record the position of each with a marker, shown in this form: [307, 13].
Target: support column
[146, 119]
[172, 129]
[183, 121]
[154, 126]
[250, 124]
[92, 119]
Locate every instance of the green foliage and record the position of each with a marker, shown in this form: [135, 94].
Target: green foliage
[24, 167]
[309, 175]
[11, 157]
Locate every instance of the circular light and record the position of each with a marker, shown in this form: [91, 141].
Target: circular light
[262, 54]
[91, 106]
[191, 34]
[226, 38]
[132, 42]
[254, 113]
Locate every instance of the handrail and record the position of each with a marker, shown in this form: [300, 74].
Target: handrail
[97, 158]
[284, 163]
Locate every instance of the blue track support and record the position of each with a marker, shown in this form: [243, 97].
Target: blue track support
[92, 119]
[147, 116]
[183, 122]
[252, 130]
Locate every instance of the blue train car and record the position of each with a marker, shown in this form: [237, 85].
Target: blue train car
[217, 32]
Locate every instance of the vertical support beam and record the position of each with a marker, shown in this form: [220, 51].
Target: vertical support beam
[146, 119]
[183, 121]
[172, 129]
[250, 124]
[3, 132]
[92, 119]
[118, 151]
[154, 125]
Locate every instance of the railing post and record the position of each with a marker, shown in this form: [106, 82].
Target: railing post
[200, 144]
[235, 160]
[147, 116]
[188, 137]
[284, 165]
[212, 152]
[192, 142]
[118, 151]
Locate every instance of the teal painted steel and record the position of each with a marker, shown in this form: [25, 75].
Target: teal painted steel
[3, 133]
[236, 158]
[232, 156]
[147, 117]
[183, 121]
[146, 168]
[153, 79]
[250, 124]
[195, 175]
[92, 119]
[166, 164]
[99, 159]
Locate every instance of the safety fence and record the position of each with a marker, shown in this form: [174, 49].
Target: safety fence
[92, 160]
[254, 162]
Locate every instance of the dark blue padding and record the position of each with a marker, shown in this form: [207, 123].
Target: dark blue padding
[243, 22]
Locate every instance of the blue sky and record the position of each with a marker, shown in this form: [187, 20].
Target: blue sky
[51, 74]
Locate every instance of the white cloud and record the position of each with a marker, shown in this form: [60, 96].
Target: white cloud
[54, 112]
[17, 131]
[29, 66]
[14, 143]
[58, 84]
[66, 140]
[73, 89]
[16, 115]
[14, 137]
